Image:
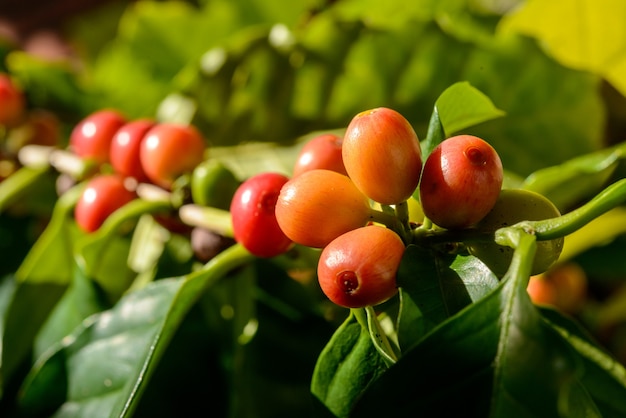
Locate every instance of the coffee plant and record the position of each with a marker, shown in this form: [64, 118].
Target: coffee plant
[378, 209]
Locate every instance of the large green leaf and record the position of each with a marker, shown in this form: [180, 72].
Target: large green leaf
[103, 254]
[602, 375]
[29, 307]
[51, 257]
[567, 112]
[435, 287]
[346, 367]
[107, 362]
[582, 34]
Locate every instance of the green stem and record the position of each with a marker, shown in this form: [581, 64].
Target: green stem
[425, 236]
[402, 212]
[611, 197]
[214, 219]
[229, 259]
[391, 221]
[379, 338]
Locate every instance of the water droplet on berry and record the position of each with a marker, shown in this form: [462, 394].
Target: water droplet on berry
[348, 281]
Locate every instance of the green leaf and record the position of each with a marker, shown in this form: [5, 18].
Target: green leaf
[110, 358]
[461, 106]
[51, 257]
[100, 253]
[81, 300]
[434, 136]
[394, 13]
[434, 287]
[346, 367]
[29, 307]
[582, 34]
[575, 180]
[567, 113]
[17, 185]
[534, 367]
[497, 358]
[603, 377]
[50, 84]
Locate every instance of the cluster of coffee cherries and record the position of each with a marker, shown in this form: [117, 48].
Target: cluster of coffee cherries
[116, 155]
[143, 158]
[348, 194]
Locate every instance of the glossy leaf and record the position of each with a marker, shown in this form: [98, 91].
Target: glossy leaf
[100, 252]
[435, 287]
[461, 106]
[603, 377]
[109, 359]
[51, 257]
[29, 307]
[346, 367]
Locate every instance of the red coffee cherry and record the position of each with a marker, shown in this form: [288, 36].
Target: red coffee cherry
[461, 182]
[102, 196]
[321, 152]
[382, 155]
[253, 215]
[359, 268]
[12, 101]
[125, 148]
[91, 137]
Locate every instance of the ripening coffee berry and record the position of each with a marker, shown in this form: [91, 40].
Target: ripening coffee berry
[511, 207]
[359, 268]
[253, 215]
[461, 181]
[12, 101]
[563, 286]
[91, 137]
[125, 147]
[382, 155]
[321, 152]
[318, 206]
[103, 195]
[170, 150]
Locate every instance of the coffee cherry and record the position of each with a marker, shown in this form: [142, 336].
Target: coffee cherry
[563, 287]
[12, 101]
[318, 206]
[321, 152]
[253, 215]
[382, 155]
[102, 196]
[170, 150]
[460, 182]
[511, 207]
[359, 268]
[91, 137]
[125, 147]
